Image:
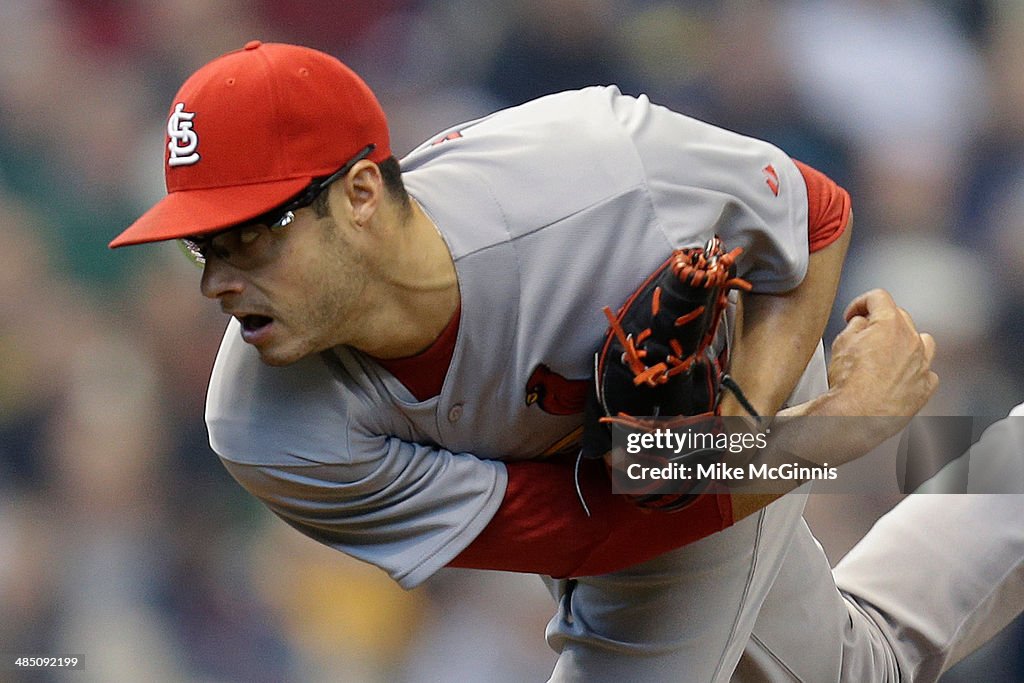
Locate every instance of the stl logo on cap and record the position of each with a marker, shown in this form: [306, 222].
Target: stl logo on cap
[184, 140]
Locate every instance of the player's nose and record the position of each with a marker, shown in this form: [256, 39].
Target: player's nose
[219, 279]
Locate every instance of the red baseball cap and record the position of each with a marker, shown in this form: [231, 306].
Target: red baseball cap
[250, 130]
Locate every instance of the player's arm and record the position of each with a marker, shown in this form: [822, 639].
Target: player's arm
[542, 528]
[753, 196]
[540, 525]
[881, 366]
[411, 509]
[880, 369]
[777, 333]
[555, 533]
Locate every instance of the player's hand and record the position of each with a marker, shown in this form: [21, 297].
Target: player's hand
[881, 364]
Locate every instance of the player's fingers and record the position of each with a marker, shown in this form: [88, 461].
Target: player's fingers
[907, 320]
[856, 324]
[870, 303]
[929, 346]
[848, 334]
[857, 307]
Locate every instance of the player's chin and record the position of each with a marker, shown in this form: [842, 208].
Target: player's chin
[278, 357]
[275, 359]
[282, 352]
[276, 347]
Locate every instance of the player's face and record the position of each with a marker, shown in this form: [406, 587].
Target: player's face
[295, 291]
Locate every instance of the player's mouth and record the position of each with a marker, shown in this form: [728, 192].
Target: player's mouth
[255, 328]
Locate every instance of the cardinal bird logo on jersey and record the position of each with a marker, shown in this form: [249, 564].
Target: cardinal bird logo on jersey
[555, 394]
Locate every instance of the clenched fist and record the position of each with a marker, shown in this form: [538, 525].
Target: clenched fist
[881, 364]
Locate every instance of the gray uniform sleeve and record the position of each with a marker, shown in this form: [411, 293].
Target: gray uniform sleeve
[412, 510]
[704, 180]
[304, 443]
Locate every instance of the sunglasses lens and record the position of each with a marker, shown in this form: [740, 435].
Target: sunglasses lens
[192, 251]
[286, 218]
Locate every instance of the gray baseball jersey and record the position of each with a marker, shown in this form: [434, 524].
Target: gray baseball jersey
[551, 210]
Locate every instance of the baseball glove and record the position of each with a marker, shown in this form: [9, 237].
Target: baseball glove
[657, 362]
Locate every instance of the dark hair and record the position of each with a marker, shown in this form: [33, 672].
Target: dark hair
[320, 207]
[391, 173]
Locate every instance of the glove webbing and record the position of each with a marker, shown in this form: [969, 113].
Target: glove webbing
[708, 268]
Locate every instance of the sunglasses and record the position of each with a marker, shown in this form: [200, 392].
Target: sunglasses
[244, 246]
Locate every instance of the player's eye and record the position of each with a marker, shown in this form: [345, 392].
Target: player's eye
[240, 246]
[248, 235]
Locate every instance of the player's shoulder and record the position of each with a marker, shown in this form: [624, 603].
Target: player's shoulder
[564, 152]
[559, 121]
[597, 102]
[587, 132]
[300, 413]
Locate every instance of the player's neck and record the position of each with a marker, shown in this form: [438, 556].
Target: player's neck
[417, 289]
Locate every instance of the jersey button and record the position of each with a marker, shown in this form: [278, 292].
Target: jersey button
[455, 413]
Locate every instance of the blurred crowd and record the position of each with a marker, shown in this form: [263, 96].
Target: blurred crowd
[121, 537]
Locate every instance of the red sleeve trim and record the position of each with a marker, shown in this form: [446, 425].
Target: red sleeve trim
[828, 208]
[541, 527]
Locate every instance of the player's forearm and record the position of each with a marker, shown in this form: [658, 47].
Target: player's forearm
[795, 439]
[776, 334]
[774, 340]
[849, 434]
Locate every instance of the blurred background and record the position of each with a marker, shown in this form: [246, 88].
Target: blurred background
[121, 537]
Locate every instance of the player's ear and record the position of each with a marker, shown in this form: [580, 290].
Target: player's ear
[364, 189]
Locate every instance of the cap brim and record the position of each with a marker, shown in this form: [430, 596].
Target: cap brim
[201, 211]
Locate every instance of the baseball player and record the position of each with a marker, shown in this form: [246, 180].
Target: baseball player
[406, 368]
